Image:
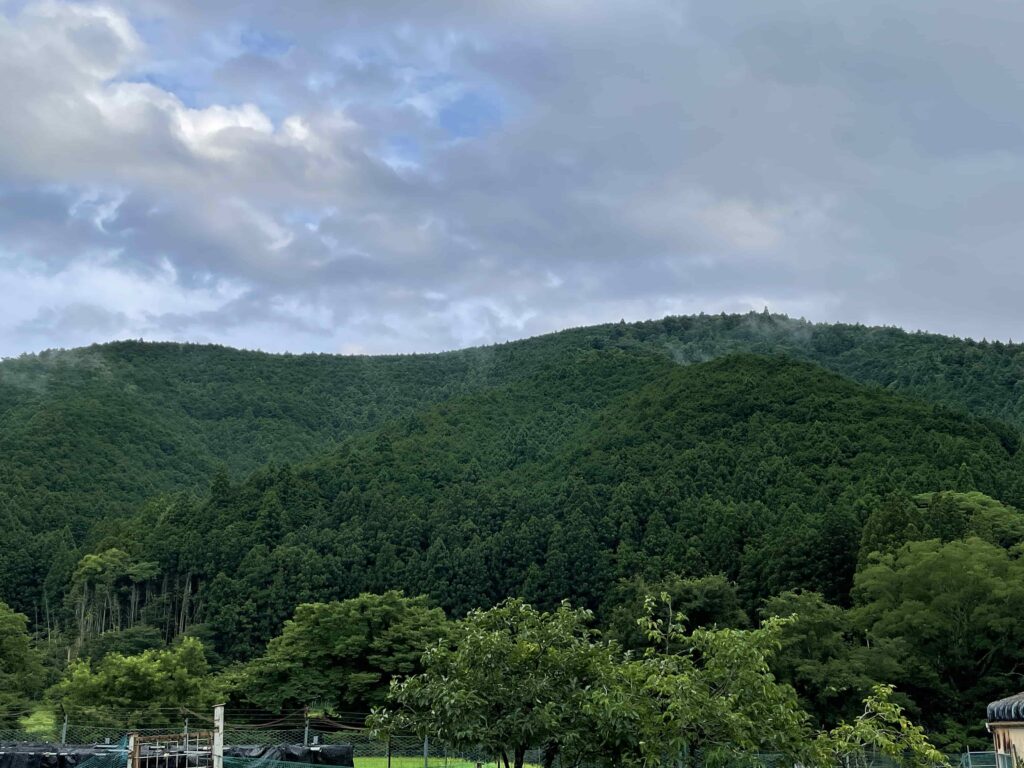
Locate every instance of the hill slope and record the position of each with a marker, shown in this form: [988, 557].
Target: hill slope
[92, 432]
[88, 435]
[603, 467]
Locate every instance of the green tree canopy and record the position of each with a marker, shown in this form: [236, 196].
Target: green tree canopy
[881, 729]
[946, 516]
[704, 601]
[342, 655]
[148, 689]
[513, 677]
[948, 615]
[21, 669]
[507, 679]
[715, 698]
[824, 656]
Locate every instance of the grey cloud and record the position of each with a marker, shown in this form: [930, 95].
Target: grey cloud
[74, 320]
[854, 163]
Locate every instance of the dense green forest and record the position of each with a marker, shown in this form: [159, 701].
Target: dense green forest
[865, 479]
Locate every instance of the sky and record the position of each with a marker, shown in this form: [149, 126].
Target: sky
[404, 176]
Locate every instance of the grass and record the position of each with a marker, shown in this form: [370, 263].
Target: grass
[417, 762]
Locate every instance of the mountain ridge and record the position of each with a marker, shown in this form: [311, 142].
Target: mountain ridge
[124, 420]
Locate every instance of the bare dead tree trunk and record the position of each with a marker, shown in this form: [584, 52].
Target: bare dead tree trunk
[183, 622]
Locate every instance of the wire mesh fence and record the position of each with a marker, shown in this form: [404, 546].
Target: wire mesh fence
[400, 751]
[20, 735]
[408, 751]
[977, 760]
[70, 731]
[105, 734]
[234, 735]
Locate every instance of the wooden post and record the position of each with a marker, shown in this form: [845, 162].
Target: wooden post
[217, 750]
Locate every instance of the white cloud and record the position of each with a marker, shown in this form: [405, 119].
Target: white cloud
[38, 303]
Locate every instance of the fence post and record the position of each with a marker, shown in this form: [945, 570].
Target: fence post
[426, 752]
[389, 750]
[133, 751]
[305, 736]
[64, 729]
[217, 749]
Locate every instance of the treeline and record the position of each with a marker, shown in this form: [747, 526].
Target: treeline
[906, 627]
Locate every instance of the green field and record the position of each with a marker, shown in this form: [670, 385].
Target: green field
[417, 762]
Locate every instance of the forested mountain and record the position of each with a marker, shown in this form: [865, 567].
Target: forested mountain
[93, 431]
[606, 467]
[153, 490]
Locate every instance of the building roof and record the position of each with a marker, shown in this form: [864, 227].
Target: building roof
[1007, 710]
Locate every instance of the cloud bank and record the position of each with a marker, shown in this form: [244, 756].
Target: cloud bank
[405, 176]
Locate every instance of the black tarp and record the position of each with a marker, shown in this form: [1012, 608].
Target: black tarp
[22, 755]
[324, 754]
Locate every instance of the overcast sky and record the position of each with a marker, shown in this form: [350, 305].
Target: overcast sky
[401, 175]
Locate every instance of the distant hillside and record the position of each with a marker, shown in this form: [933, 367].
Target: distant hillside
[96, 430]
[88, 435]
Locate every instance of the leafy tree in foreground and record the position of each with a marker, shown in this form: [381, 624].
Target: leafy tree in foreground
[881, 729]
[511, 678]
[21, 669]
[720, 702]
[129, 690]
[342, 655]
[515, 678]
[715, 699]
